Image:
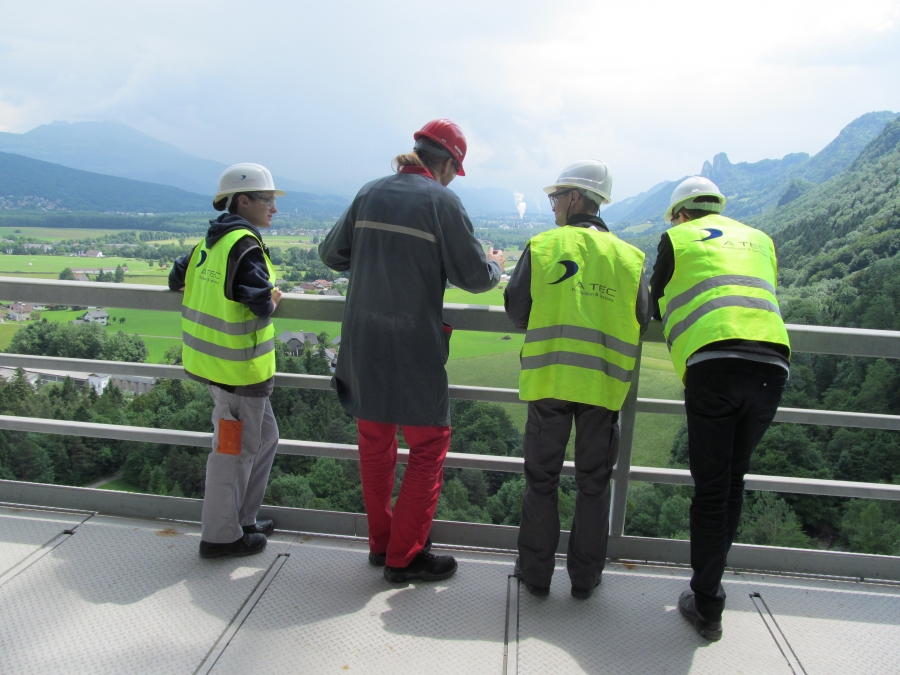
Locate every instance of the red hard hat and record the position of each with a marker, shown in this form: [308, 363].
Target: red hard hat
[449, 136]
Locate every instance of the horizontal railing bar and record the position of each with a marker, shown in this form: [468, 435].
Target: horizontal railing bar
[806, 486]
[450, 533]
[825, 418]
[492, 394]
[454, 459]
[488, 318]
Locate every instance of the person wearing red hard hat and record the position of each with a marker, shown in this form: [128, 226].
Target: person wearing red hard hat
[446, 134]
[402, 239]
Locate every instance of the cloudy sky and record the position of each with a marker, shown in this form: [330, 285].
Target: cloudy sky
[327, 93]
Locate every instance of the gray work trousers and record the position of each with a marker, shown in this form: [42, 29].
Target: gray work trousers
[236, 476]
[596, 450]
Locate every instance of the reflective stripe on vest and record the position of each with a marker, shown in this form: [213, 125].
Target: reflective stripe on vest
[723, 288]
[224, 341]
[582, 338]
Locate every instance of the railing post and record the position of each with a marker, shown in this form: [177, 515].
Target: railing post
[623, 465]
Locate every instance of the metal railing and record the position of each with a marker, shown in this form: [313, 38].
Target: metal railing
[811, 339]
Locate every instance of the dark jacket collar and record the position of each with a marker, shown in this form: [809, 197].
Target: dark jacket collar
[224, 224]
[585, 220]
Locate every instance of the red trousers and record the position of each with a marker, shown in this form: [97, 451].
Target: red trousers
[401, 531]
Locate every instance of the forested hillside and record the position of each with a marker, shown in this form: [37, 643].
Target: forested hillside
[33, 184]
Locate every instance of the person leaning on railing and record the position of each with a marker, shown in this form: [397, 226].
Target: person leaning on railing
[402, 239]
[229, 344]
[581, 293]
[713, 287]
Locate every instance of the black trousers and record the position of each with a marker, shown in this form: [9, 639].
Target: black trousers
[730, 403]
[596, 449]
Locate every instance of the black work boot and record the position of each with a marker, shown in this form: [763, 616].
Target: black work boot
[249, 544]
[687, 605]
[424, 567]
[379, 559]
[536, 591]
[264, 526]
[583, 593]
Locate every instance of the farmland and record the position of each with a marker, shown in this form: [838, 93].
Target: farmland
[479, 359]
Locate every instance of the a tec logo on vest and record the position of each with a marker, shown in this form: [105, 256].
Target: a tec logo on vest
[596, 290]
[571, 270]
[713, 234]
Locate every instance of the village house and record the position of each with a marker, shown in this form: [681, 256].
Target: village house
[330, 291]
[341, 280]
[308, 286]
[81, 277]
[93, 254]
[298, 341]
[96, 316]
[42, 247]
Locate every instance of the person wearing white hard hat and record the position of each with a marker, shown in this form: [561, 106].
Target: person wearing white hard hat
[713, 287]
[229, 343]
[580, 293]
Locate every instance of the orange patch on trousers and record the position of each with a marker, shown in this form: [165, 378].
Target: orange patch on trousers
[229, 437]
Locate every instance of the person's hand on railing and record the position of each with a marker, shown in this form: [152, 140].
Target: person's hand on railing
[276, 296]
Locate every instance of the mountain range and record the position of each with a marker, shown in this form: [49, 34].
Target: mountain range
[69, 162]
[752, 188]
[115, 149]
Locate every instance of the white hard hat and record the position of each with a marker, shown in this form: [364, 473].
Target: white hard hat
[687, 192]
[243, 178]
[590, 175]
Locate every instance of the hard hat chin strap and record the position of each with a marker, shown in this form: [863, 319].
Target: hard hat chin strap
[228, 202]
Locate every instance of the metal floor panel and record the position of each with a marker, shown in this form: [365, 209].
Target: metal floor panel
[23, 531]
[328, 611]
[632, 625]
[123, 596]
[836, 626]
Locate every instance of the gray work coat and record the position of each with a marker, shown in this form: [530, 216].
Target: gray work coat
[401, 240]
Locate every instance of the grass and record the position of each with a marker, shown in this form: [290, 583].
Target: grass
[120, 485]
[55, 233]
[653, 433]
[7, 330]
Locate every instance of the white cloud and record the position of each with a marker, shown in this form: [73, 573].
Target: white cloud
[327, 93]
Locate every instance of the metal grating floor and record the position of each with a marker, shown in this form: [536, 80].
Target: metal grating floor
[131, 596]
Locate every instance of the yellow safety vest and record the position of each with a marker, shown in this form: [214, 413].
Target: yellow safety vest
[224, 341]
[723, 288]
[583, 335]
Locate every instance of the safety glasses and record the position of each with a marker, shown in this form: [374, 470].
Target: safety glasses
[268, 200]
[556, 195]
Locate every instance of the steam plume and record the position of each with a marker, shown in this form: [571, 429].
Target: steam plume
[520, 204]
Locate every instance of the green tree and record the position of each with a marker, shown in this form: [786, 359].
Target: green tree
[119, 275]
[866, 529]
[122, 347]
[67, 274]
[505, 507]
[173, 354]
[770, 521]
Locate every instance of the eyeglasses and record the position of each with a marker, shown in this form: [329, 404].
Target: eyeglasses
[268, 200]
[556, 195]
